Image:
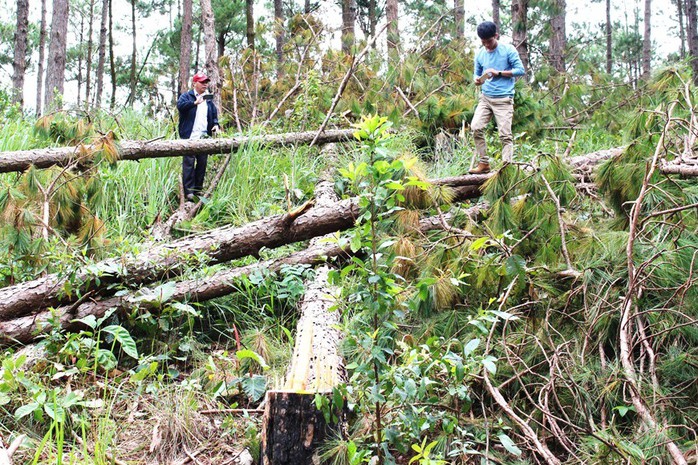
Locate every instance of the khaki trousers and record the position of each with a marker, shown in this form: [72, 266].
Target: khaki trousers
[502, 108]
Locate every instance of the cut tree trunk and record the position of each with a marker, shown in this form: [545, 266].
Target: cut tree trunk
[293, 429]
[27, 328]
[137, 150]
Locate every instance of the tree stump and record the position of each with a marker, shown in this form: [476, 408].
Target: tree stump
[293, 429]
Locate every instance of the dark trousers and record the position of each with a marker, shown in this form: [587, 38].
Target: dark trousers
[193, 172]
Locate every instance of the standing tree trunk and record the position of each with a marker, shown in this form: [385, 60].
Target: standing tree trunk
[519, 20]
[495, 13]
[102, 53]
[19, 63]
[306, 7]
[459, 18]
[609, 39]
[80, 42]
[372, 19]
[391, 13]
[348, 20]
[55, 70]
[647, 42]
[42, 48]
[692, 35]
[112, 67]
[682, 30]
[132, 75]
[185, 47]
[211, 61]
[88, 64]
[280, 36]
[558, 38]
[249, 13]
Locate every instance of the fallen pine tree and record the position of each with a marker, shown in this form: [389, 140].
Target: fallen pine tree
[138, 150]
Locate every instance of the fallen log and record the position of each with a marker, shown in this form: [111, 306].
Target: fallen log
[169, 260]
[27, 328]
[137, 150]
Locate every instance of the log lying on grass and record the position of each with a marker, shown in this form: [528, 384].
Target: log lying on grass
[137, 150]
[171, 259]
[27, 328]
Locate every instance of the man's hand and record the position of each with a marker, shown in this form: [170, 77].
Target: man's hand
[199, 99]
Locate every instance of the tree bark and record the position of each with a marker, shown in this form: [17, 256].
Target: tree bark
[218, 245]
[185, 46]
[279, 32]
[134, 49]
[28, 328]
[495, 13]
[692, 36]
[293, 428]
[393, 36]
[137, 150]
[102, 53]
[647, 42]
[609, 39]
[682, 30]
[211, 61]
[112, 66]
[519, 19]
[80, 42]
[459, 18]
[42, 49]
[88, 64]
[558, 38]
[19, 62]
[249, 14]
[55, 70]
[372, 19]
[348, 21]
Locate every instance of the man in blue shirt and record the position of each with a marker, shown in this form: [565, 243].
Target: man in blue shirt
[496, 66]
[198, 117]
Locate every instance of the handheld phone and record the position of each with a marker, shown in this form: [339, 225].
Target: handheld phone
[208, 96]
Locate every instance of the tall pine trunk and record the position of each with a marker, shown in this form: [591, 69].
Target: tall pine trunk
[88, 64]
[249, 15]
[558, 38]
[647, 42]
[495, 13]
[55, 70]
[391, 13]
[459, 18]
[348, 21]
[682, 30]
[692, 35]
[185, 46]
[609, 39]
[519, 33]
[19, 63]
[132, 74]
[81, 38]
[102, 52]
[211, 61]
[112, 67]
[280, 35]
[42, 49]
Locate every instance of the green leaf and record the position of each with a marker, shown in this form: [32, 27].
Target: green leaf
[246, 353]
[55, 411]
[25, 410]
[515, 265]
[478, 244]
[471, 346]
[489, 364]
[128, 345]
[254, 387]
[509, 445]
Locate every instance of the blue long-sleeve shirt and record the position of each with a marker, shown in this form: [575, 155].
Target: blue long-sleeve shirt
[503, 58]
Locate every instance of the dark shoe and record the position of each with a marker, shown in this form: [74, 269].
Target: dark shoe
[481, 168]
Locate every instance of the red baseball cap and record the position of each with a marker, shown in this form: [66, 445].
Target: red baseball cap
[200, 77]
